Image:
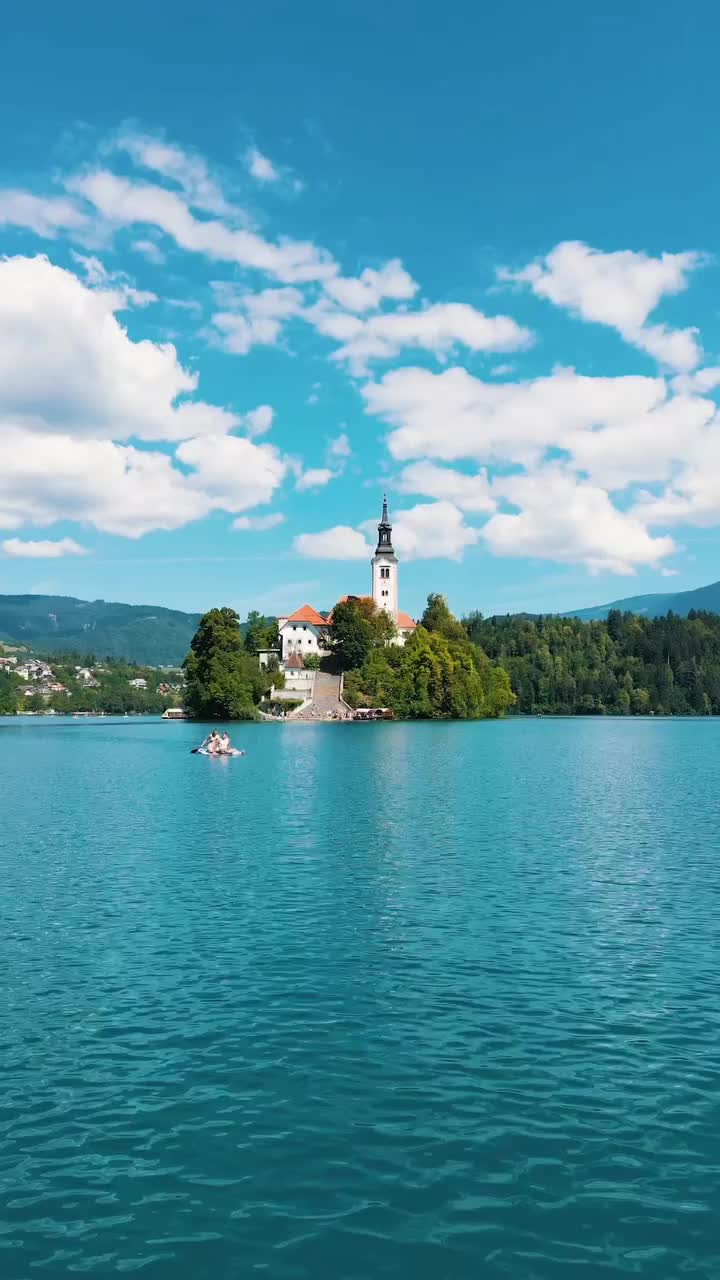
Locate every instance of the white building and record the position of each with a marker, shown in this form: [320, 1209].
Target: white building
[306, 631]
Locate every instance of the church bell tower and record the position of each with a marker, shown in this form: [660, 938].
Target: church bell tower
[385, 568]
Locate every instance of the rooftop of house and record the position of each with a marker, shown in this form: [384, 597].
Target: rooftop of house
[294, 662]
[306, 613]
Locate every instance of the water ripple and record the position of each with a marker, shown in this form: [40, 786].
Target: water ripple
[437, 1000]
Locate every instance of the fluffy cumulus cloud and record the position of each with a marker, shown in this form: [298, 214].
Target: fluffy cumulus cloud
[468, 492]
[314, 478]
[431, 530]
[236, 473]
[619, 289]
[43, 549]
[453, 415]
[67, 364]
[366, 291]
[111, 431]
[338, 543]
[117, 488]
[125, 490]
[75, 390]
[258, 421]
[560, 518]
[249, 320]
[439, 328]
[613, 434]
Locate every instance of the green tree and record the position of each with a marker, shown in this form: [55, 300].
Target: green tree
[223, 682]
[260, 632]
[352, 635]
[437, 617]
[8, 695]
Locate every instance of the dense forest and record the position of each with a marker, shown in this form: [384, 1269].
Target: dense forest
[623, 665]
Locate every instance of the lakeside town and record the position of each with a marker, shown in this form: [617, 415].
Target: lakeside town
[31, 685]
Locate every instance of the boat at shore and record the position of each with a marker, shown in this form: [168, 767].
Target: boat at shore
[174, 713]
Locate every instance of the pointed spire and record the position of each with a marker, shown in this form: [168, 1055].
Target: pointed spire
[385, 531]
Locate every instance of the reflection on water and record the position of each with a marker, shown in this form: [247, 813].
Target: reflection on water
[372, 1001]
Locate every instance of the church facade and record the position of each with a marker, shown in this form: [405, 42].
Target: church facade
[307, 631]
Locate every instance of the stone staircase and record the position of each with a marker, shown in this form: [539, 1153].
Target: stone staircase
[327, 703]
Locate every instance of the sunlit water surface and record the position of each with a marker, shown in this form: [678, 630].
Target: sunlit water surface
[428, 1001]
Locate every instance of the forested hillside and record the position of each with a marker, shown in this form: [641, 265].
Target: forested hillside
[61, 624]
[625, 664]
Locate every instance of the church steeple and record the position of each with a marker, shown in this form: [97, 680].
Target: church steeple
[384, 532]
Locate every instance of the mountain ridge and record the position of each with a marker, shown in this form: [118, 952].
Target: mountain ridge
[656, 605]
[156, 636]
[147, 634]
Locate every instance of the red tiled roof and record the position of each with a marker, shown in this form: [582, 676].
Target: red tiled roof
[306, 613]
[295, 662]
[405, 622]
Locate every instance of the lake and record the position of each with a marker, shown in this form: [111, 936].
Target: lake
[433, 1000]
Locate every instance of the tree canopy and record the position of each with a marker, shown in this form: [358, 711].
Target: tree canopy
[437, 674]
[223, 681]
[623, 665]
[358, 628]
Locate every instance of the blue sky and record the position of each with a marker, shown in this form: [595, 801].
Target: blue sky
[260, 263]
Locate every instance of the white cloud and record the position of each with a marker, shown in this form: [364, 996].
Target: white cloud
[340, 447]
[128, 203]
[452, 415]
[366, 291]
[237, 473]
[189, 171]
[314, 478]
[563, 519]
[340, 543]
[128, 491]
[260, 167]
[116, 488]
[259, 420]
[256, 319]
[468, 492]
[438, 328]
[150, 250]
[47, 216]
[703, 381]
[43, 550]
[432, 530]
[67, 365]
[618, 289]
[259, 524]
[117, 285]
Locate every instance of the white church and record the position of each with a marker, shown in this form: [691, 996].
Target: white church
[306, 631]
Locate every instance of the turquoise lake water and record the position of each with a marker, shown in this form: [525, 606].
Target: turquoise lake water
[428, 1001]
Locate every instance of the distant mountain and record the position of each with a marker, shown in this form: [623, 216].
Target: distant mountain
[655, 606]
[59, 624]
